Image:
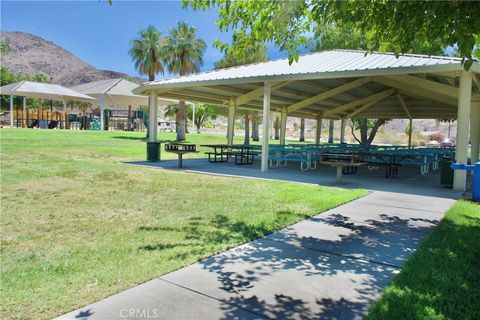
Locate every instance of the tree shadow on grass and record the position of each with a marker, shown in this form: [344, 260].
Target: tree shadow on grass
[243, 275]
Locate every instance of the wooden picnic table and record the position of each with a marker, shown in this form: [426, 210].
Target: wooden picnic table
[243, 154]
[341, 161]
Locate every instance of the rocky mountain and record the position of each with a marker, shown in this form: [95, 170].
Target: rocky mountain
[31, 54]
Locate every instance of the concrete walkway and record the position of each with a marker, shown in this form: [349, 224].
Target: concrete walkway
[332, 266]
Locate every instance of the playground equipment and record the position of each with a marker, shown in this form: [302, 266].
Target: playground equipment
[476, 177]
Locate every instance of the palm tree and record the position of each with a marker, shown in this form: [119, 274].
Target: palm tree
[146, 53]
[183, 54]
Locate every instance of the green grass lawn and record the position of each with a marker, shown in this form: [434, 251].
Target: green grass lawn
[442, 278]
[78, 224]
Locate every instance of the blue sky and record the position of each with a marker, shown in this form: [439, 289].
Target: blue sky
[100, 34]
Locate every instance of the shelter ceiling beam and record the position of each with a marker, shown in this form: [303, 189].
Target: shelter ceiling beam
[429, 85]
[476, 79]
[404, 105]
[303, 95]
[361, 109]
[256, 93]
[375, 98]
[415, 91]
[327, 94]
[199, 94]
[227, 89]
[318, 86]
[196, 99]
[364, 89]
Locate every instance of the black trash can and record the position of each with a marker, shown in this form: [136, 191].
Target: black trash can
[446, 172]
[153, 151]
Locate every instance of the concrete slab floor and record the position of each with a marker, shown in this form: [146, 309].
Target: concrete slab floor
[408, 181]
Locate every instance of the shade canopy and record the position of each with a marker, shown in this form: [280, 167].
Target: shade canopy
[332, 84]
[116, 92]
[42, 90]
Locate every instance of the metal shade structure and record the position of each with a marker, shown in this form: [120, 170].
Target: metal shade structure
[355, 75]
[42, 90]
[113, 93]
[341, 84]
[32, 89]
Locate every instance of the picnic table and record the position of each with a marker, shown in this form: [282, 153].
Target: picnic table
[345, 163]
[180, 149]
[243, 153]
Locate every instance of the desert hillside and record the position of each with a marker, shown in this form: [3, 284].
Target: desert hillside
[31, 54]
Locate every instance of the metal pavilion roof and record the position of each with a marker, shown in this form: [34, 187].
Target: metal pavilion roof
[118, 92]
[400, 79]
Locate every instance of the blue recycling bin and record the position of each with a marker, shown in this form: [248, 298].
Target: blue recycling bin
[476, 177]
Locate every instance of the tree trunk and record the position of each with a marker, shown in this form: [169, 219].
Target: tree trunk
[247, 129]
[366, 138]
[276, 125]
[255, 129]
[302, 129]
[181, 129]
[376, 126]
[151, 77]
[176, 121]
[331, 127]
[198, 125]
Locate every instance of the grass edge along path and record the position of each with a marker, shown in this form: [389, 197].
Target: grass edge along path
[441, 280]
[78, 224]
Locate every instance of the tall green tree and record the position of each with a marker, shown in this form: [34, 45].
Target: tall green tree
[203, 113]
[252, 55]
[334, 36]
[146, 52]
[183, 54]
[400, 24]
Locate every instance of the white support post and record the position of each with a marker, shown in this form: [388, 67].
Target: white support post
[463, 117]
[283, 125]
[342, 131]
[475, 131]
[318, 134]
[152, 117]
[102, 108]
[410, 130]
[265, 125]
[11, 111]
[64, 126]
[24, 116]
[231, 121]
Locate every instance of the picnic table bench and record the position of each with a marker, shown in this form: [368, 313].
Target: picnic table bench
[243, 154]
[345, 163]
[180, 149]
